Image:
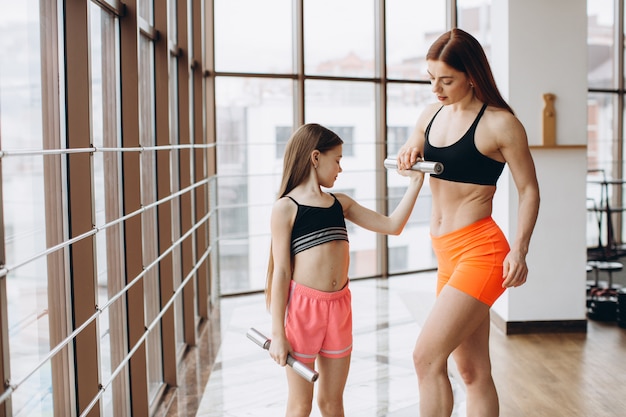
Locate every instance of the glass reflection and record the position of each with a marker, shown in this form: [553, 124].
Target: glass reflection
[474, 17]
[411, 27]
[253, 36]
[253, 117]
[107, 173]
[601, 44]
[23, 206]
[411, 250]
[334, 47]
[347, 108]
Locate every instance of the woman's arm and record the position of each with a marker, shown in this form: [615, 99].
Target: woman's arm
[513, 145]
[379, 223]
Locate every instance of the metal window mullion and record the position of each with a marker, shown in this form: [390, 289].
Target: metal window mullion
[131, 183]
[211, 137]
[147, 30]
[81, 210]
[112, 163]
[298, 57]
[452, 18]
[381, 124]
[185, 132]
[5, 360]
[164, 210]
[619, 64]
[200, 157]
[56, 216]
[115, 7]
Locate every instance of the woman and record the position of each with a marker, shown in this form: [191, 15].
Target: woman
[307, 280]
[474, 133]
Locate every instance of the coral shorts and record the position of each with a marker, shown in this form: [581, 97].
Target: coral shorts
[470, 259]
[318, 322]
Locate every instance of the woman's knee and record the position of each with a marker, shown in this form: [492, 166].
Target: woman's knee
[472, 372]
[427, 362]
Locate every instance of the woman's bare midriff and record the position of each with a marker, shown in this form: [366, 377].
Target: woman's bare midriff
[315, 267]
[456, 205]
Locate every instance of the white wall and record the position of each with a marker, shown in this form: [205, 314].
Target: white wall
[540, 47]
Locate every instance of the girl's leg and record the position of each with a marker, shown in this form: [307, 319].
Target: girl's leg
[474, 364]
[331, 383]
[300, 398]
[453, 319]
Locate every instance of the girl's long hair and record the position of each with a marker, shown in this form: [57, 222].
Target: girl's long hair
[463, 52]
[297, 168]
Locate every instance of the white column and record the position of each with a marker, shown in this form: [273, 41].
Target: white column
[540, 47]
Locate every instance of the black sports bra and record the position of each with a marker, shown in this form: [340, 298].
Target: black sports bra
[462, 161]
[316, 225]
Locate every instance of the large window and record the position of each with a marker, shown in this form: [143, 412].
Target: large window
[27, 286]
[322, 64]
[605, 128]
[104, 215]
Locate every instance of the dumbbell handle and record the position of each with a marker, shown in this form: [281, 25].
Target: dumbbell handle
[428, 167]
[300, 368]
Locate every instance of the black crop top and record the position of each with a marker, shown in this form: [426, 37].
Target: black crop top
[316, 225]
[462, 161]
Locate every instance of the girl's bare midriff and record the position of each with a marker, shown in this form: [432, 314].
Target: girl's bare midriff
[456, 205]
[323, 267]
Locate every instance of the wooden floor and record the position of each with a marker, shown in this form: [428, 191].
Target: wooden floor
[573, 375]
[537, 375]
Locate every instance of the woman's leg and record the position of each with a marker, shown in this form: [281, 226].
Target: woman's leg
[300, 398]
[331, 384]
[454, 318]
[474, 365]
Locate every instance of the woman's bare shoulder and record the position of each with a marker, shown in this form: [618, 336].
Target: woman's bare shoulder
[429, 112]
[503, 124]
[501, 117]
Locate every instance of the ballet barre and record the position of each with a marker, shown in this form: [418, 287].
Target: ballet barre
[300, 368]
[428, 167]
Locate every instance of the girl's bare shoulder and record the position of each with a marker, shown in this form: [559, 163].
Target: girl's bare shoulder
[284, 206]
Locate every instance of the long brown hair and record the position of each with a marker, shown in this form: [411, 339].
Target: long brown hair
[297, 168]
[463, 52]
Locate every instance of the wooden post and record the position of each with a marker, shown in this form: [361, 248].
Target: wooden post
[549, 120]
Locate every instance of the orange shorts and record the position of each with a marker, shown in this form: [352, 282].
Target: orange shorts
[319, 322]
[470, 259]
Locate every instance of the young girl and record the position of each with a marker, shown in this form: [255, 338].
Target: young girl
[307, 281]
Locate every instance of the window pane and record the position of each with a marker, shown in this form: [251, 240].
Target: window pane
[174, 184]
[411, 250]
[601, 140]
[339, 37]
[253, 36]
[411, 27]
[107, 199]
[146, 10]
[348, 109]
[23, 206]
[148, 218]
[250, 112]
[474, 17]
[600, 44]
[601, 163]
